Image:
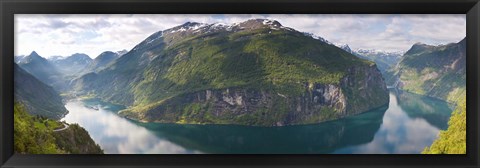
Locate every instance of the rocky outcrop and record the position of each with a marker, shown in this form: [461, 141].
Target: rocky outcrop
[361, 90]
[365, 89]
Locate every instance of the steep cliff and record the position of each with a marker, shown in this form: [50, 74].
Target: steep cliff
[317, 103]
[76, 140]
[257, 72]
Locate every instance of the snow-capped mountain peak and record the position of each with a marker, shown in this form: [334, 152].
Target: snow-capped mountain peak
[376, 52]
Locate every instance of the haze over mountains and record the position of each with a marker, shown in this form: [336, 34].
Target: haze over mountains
[258, 73]
[71, 65]
[255, 72]
[58, 71]
[39, 106]
[103, 60]
[41, 68]
[38, 98]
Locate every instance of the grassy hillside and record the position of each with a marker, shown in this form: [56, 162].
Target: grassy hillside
[35, 135]
[259, 58]
[278, 60]
[264, 59]
[453, 140]
[436, 71]
[31, 135]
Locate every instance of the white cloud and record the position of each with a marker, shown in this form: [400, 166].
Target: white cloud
[92, 34]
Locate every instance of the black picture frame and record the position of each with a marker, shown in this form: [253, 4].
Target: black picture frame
[10, 7]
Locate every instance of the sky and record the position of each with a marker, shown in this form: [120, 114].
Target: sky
[63, 35]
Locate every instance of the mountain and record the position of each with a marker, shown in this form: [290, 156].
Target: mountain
[71, 65]
[38, 98]
[256, 72]
[42, 69]
[103, 60]
[18, 59]
[384, 60]
[76, 140]
[121, 52]
[346, 48]
[436, 71]
[55, 58]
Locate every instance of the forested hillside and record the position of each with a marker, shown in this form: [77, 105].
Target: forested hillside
[256, 72]
[36, 135]
[435, 71]
[453, 140]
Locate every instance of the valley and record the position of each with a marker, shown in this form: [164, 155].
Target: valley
[251, 73]
[387, 129]
[229, 88]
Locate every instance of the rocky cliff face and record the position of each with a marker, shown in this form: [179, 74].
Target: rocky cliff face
[256, 72]
[365, 89]
[361, 90]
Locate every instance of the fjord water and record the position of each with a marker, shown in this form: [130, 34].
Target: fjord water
[407, 124]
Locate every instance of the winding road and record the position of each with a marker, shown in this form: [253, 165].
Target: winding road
[61, 129]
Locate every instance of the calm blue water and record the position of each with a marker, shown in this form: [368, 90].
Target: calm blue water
[407, 125]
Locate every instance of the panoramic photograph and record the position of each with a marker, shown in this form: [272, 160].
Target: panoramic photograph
[240, 84]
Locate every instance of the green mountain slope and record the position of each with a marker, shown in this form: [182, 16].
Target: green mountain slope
[436, 71]
[252, 73]
[454, 139]
[39, 98]
[76, 140]
[36, 135]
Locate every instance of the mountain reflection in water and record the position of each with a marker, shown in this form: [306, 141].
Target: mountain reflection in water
[407, 125]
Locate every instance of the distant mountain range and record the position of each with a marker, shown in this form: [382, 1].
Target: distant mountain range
[57, 71]
[256, 72]
[71, 65]
[384, 60]
[102, 61]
